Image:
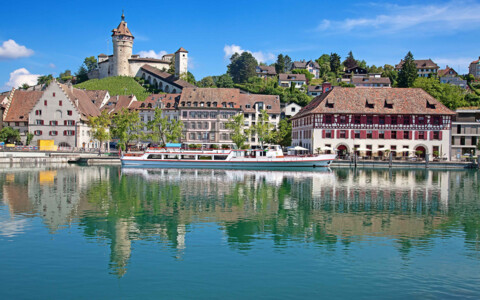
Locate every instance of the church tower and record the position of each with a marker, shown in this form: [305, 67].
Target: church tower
[181, 62]
[122, 40]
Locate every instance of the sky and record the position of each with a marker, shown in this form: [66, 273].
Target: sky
[49, 37]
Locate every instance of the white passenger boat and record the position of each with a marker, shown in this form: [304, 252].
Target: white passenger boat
[270, 157]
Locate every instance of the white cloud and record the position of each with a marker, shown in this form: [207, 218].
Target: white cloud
[259, 55]
[460, 64]
[19, 77]
[11, 50]
[448, 17]
[52, 65]
[152, 54]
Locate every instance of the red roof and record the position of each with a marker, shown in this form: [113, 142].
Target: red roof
[354, 101]
[21, 105]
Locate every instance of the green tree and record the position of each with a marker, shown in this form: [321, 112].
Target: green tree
[242, 67]
[206, 82]
[335, 62]
[390, 72]
[263, 128]
[45, 79]
[164, 130]
[238, 133]
[9, 135]
[224, 81]
[25, 86]
[283, 135]
[449, 95]
[90, 63]
[126, 127]
[280, 64]
[408, 72]
[308, 75]
[82, 74]
[324, 69]
[188, 77]
[350, 61]
[288, 63]
[100, 128]
[324, 59]
[29, 138]
[65, 76]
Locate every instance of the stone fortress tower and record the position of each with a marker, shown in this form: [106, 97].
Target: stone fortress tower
[122, 40]
[181, 62]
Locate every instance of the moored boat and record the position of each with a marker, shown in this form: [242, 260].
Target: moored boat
[270, 157]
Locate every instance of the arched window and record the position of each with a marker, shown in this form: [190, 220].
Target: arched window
[58, 115]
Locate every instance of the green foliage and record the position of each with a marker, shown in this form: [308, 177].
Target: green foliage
[188, 78]
[390, 72]
[344, 84]
[119, 85]
[283, 135]
[335, 62]
[164, 130]
[206, 82]
[45, 79]
[308, 75]
[100, 127]
[242, 67]
[350, 61]
[263, 128]
[90, 63]
[65, 76]
[362, 64]
[238, 134]
[25, 86]
[450, 95]
[82, 74]
[9, 135]
[280, 64]
[324, 59]
[224, 81]
[126, 127]
[375, 69]
[408, 72]
[29, 138]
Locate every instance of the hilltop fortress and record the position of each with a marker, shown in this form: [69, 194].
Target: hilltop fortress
[123, 63]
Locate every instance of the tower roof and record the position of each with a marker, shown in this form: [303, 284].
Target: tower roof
[122, 28]
[181, 50]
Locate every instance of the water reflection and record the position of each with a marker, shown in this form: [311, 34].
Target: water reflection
[323, 208]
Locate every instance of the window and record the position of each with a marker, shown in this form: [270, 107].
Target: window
[381, 120]
[53, 94]
[328, 119]
[60, 103]
[293, 109]
[436, 120]
[17, 123]
[45, 102]
[421, 135]
[53, 133]
[421, 120]
[357, 134]
[406, 120]
[381, 135]
[69, 132]
[37, 132]
[269, 107]
[343, 134]
[38, 112]
[436, 135]
[369, 134]
[328, 134]
[369, 120]
[184, 114]
[394, 135]
[53, 122]
[71, 122]
[249, 106]
[357, 119]
[38, 122]
[69, 112]
[343, 119]
[394, 120]
[406, 135]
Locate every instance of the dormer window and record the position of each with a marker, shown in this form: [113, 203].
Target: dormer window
[369, 103]
[248, 106]
[430, 105]
[269, 107]
[388, 103]
[195, 104]
[224, 104]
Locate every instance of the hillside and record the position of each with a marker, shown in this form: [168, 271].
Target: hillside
[120, 85]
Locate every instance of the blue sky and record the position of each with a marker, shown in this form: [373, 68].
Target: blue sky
[49, 37]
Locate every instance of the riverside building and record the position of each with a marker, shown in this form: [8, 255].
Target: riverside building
[372, 122]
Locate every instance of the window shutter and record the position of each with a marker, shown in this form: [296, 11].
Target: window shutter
[338, 133]
[375, 120]
[375, 133]
[440, 135]
[431, 135]
[64, 122]
[388, 120]
[73, 132]
[352, 133]
[363, 119]
[64, 132]
[416, 135]
[41, 132]
[73, 122]
[410, 135]
[346, 134]
[363, 134]
[388, 134]
[400, 120]
[399, 135]
[324, 133]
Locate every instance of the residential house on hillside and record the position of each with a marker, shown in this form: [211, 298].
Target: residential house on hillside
[61, 114]
[266, 71]
[465, 133]
[311, 66]
[371, 81]
[425, 67]
[286, 80]
[206, 111]
[450, 76]
[370, 122]
[290, 109]
[474, 68]
[317, 90]
[354, 71]
[116, 103]
[98, 97]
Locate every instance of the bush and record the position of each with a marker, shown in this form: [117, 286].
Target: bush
[225, 146]
[245, 147]
[214, 146]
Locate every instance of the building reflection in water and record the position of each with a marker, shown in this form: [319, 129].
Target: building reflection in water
[324, 208]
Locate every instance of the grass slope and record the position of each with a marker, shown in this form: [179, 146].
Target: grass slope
[116, 86]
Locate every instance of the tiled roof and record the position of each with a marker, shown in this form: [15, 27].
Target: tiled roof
[269, 69]
[421, 64]
[476, 61]
[167, 77]
[169, 101]
[148, 59]
[21, 105]
[446, 71]
[314, 88]
[117, 103]
[303, 64]
[85, 105]
[268, 100]
[122, 29]
[210, 95]
[373, 80]
[97, 96]
[181, 49]
[353, 101]
[292, 77]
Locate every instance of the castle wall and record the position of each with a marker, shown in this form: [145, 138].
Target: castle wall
[135, 67]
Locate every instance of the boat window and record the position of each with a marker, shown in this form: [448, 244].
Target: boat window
[188, 157]
[220, 157]
[154, 156]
